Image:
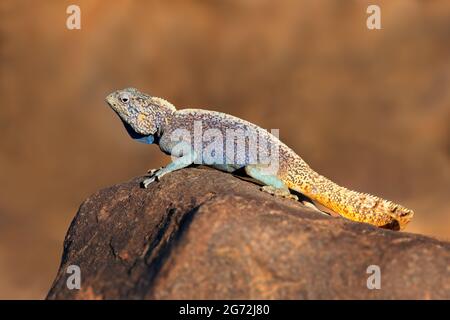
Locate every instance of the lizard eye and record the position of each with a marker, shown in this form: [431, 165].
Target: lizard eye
[124, 98]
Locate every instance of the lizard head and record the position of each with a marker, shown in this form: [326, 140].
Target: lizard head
[141, 114]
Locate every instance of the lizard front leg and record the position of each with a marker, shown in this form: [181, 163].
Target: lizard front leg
[179, 163]
[151, 172]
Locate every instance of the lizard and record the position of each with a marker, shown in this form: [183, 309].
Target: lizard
[153, 120]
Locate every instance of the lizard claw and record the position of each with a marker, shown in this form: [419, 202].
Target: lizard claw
[149, 181]
[154, 175]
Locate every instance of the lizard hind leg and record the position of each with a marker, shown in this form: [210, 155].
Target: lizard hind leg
[275, 186]
[272, 184]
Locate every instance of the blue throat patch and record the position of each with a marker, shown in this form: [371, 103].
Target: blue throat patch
[147, 139]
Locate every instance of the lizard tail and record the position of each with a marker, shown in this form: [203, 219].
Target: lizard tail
[353, 205]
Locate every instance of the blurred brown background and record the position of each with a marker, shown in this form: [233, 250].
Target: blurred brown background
[369, 109]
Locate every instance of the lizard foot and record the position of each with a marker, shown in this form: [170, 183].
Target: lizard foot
[153, 176]
[284, 193]
[149, 181]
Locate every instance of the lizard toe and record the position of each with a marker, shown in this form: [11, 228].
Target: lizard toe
[149, 181]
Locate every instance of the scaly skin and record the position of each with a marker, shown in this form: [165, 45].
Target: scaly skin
[356, 206]
[153, 120]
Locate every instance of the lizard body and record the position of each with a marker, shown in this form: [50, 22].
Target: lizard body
[153, 120]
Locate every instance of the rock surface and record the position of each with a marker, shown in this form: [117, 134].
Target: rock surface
[203, 234]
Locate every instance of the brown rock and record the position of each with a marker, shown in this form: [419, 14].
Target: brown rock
[203, 234]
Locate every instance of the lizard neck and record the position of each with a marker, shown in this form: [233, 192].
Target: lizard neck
[162, 118]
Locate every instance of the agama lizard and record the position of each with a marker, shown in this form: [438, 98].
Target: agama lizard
[154, 120]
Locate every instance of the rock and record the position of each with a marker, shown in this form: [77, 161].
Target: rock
[203, 234]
